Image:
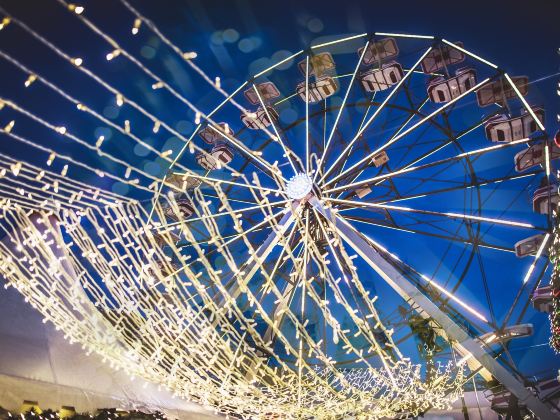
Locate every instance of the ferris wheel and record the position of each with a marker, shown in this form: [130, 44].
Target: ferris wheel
[356, 230]
[344, 170]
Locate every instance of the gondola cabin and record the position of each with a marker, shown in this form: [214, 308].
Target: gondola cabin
[545, 199]
[206, 160]
[548, 389]
[222, 154]
[260, 119]
[376, 80]
[380, 50]
[542, 299]
[380, 159]
[320, 65]
[362, 192]
[500, 128]
[535, 155]
[318, 90]
[267, 91]
[501, 90]
[183, 182]
[507, 334]
[211, 135]
[440, 57]
[185, 208]
[529, 246]
[442, 90]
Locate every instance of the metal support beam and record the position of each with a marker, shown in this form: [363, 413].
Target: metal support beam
[420, 302]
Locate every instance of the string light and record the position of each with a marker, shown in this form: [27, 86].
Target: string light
[136, 27]
[190, 55]
[113, 54]
[77, 61]
[5, 22]
[8, 128]
[30, 80]
[76, 9]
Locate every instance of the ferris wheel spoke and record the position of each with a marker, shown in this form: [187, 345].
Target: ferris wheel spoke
[402, 127]
[307, 114]
[452, 215]
[434, 150]
[255, 259]
[340, 109]
[409, 130]
[466, 185]
[407, 229]
[373, 116]
[410, 169]
[233, 214]
[362, 122]
[224, 181]
[251, 154]
[439, 147]
[287, 152]
[257, 227]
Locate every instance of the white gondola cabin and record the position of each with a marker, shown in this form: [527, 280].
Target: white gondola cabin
[500, 399]
[185, 208]
[206, 160]
[545, 199]
[267, 90]
[442, 56]
[320, 65]
[183, 181]
[211, 135]
[259, 119]
[362, 192]
[375, 80]
[222, 154]
[535, 155]
[442, 90]
[380, 159]
[499, 91]
[548, 389]
[318, 90]
[507, 334]
[529, 246]
[381, 50]
[500, 128]
[542, 299]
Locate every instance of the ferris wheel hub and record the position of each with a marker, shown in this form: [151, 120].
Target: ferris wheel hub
[299, 186]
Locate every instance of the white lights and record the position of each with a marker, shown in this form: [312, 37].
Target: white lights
[136, 26]
[113, 54]
[190, 55]
[30, 80]
[76, 8]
